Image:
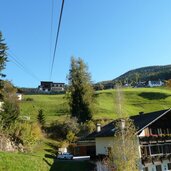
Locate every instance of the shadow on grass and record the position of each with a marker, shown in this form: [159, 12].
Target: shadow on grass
[153, 95]
[65, 165]
[53, 149]
[69, 165]
[72, 165]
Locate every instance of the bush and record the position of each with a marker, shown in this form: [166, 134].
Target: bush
[87, 128]
[29, 99]
[27, 133]
[60, 129]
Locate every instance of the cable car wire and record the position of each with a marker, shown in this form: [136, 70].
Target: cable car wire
[21, 66]
[57, 36]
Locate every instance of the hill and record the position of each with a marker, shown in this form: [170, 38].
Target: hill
[147, 73]
[135, 100]
[141, 74]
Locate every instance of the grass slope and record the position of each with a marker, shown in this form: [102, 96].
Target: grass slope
[53, 106]
[21, 162]
[134, 101]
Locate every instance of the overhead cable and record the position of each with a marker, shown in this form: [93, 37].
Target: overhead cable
[22, 66]
[57, 36]
[51, 29]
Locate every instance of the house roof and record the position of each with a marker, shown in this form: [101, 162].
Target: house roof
[141, 121]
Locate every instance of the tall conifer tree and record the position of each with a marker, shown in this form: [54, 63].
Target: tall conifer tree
[3, 55]
[80, 91]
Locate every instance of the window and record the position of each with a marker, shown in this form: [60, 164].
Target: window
[154, 131]
[164, 131]
[154, 150]
[158, 168]
[145, 151]
[159, 131]
[145, 169]
[169, 166]
[157, 149]
[169, 131]
[168, 148]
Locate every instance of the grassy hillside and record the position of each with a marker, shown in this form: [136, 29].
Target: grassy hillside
[22, 162]
[53, 106]
[135, 100]
[141, 74]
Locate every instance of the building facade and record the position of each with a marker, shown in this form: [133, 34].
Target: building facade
[153, 137]
[155, 83]
[48, 87]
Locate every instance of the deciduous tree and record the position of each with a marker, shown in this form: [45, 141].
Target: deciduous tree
[124, 152]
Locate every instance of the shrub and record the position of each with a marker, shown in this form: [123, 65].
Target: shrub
[60, 129]
[27, 133]
[41, 118]
[29, 99]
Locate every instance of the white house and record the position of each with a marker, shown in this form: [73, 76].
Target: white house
[49, 86]
[154, 137]
[19, 96]
[1, 104]
[155, 83]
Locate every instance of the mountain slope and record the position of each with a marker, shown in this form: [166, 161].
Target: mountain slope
[146, 74]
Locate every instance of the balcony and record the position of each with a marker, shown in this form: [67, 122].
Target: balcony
[155, 138]
[156, 159]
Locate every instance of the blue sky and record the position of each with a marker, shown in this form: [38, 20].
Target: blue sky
[112, 37]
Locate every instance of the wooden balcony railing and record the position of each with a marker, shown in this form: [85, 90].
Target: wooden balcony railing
[155, 138]
[153, 159]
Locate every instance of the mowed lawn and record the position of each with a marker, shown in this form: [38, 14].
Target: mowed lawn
[22, 162]
[133, 101]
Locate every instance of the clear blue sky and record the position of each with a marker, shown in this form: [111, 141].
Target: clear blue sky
[112, 36]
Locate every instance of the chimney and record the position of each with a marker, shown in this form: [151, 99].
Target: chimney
[98, 127]
[141, 113]
[122, 124]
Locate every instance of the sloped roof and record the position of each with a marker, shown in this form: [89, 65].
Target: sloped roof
[141, 121]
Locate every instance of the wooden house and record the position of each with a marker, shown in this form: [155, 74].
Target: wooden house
[153, 137]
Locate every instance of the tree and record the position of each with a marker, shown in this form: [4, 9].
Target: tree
[59, 129]
[80, 91]
[10, 109]
[168, 83]
[41, 118]
[124, 152]
[3, 55]
[3, 60]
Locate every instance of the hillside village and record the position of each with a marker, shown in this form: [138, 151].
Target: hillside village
[56, 115]
[99, 142]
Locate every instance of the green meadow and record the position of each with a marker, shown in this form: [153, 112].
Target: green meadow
[22, 162]
[133, 101]
[53, 106]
